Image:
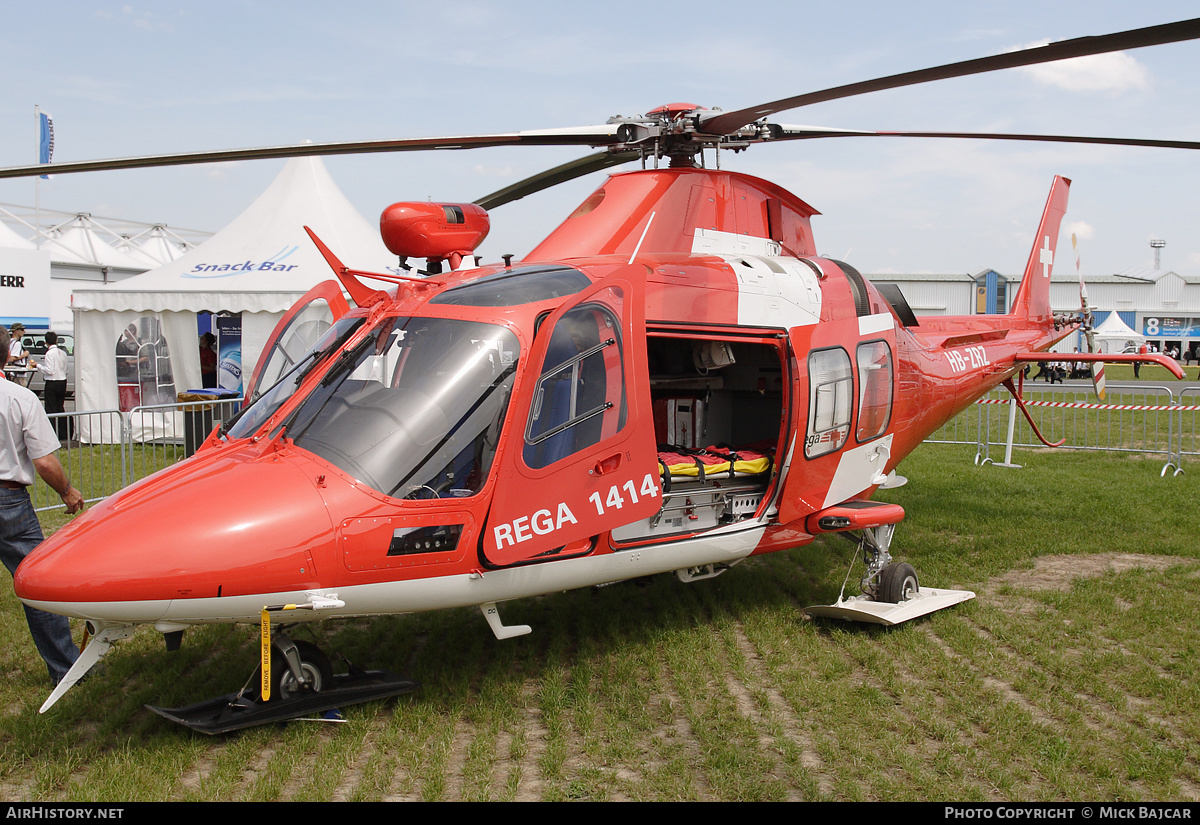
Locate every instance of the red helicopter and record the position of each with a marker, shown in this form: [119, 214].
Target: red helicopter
[672, 381]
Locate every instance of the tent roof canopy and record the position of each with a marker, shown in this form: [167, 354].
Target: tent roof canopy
[262, 261]
[1114, 327]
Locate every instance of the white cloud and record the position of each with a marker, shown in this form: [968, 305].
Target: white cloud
[221, 171]
[494, 171]
[1114, 72]
[1080, 229]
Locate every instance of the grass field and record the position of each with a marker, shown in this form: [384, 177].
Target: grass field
[1073, 676]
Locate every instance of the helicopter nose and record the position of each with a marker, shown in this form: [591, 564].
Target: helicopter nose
[201, 530]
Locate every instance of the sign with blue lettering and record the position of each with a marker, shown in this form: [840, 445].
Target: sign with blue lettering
[276, 263]
[229, 352]
[1169, 327]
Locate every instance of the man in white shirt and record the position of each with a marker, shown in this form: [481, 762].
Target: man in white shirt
[18, 356]
[27, 445]
[54, 367]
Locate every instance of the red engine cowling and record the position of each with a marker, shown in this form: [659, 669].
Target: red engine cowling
[435, 231]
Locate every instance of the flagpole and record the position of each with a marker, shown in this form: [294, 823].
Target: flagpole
[37, 184]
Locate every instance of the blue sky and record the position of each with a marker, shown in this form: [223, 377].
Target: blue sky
[145, 78]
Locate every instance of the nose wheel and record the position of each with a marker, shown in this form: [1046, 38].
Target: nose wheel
[897, 583]
[297, 668]
[302, 683]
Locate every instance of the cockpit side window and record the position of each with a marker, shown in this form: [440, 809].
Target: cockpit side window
[580, 396]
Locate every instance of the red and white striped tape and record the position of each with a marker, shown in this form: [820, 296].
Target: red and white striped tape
[1081, 406]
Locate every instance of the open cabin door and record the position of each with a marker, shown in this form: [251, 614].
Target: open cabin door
[579, 456]
[298, 329]
[847, 399]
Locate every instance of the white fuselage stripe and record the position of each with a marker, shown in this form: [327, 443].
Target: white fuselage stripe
[436, 592]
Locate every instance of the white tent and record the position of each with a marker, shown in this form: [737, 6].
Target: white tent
[257, 266]
[1113, 335]
[78, 242]
[160, 244]
[11, 240]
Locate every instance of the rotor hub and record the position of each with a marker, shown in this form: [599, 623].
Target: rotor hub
[675, 131]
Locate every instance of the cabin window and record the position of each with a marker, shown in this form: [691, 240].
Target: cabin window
[831, 401]
[580, 397]
[874, 389]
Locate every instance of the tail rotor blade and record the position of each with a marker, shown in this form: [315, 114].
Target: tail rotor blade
[1089, 326]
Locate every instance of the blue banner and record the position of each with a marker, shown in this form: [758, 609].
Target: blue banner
[1169, 327]
[45, 139]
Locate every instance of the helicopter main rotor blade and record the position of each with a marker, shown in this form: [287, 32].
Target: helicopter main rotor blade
[553, 177]
[574, 136]
[806, 132]
[727, 122]
[1110, 141]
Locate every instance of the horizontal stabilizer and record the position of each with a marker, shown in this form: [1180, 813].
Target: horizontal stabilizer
[1104, 358]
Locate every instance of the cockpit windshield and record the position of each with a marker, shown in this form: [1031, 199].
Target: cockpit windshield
[415, 408]
[263, 405]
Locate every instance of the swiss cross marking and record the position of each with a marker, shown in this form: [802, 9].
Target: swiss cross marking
[1046, 258]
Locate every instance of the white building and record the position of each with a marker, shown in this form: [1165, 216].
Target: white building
[1162, 305]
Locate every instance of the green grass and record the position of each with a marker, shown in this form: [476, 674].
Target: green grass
[1075, 685]
[1150, 373]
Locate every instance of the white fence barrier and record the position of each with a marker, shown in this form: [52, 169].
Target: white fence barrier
[1141, 419]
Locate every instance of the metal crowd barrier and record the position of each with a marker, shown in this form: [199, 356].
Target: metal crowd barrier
[119, 448]
[1142, 419]
[161, 434]
[105, 450]
[97, 470]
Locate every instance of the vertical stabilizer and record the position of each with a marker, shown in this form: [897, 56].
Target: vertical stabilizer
[1032, 301]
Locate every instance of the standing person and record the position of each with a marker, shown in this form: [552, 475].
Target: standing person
[54, 367]
[18, 356]
[27, 445]
[208, 360]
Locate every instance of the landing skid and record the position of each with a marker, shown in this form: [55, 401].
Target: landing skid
[890, 592]
[236, 711]
[865, 609]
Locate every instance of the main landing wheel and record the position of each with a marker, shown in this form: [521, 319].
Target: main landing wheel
[897, 583]
[314, 665]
